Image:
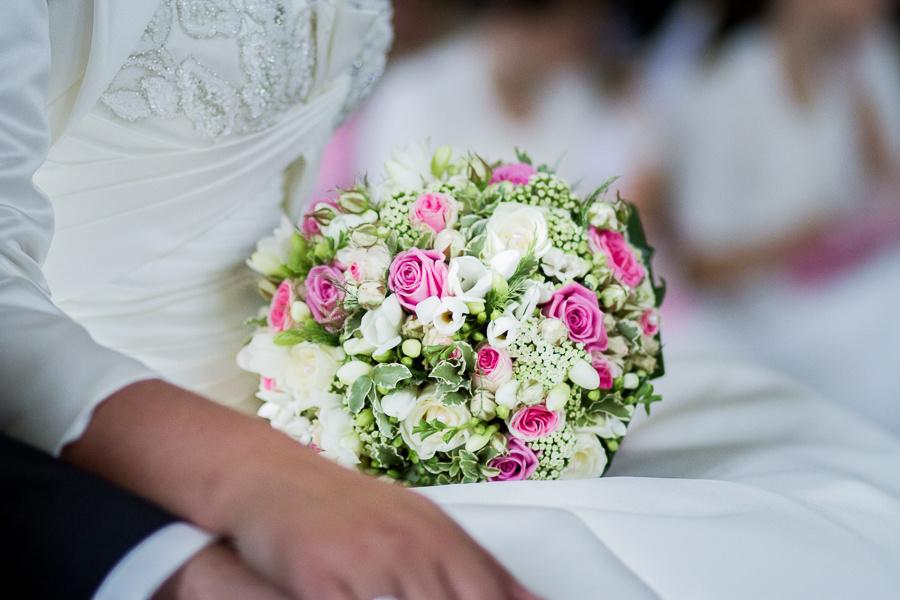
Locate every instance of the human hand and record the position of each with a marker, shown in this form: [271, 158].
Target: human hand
[326, 533]
[216, 573]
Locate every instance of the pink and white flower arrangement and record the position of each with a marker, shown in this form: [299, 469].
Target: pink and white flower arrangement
[458, 322]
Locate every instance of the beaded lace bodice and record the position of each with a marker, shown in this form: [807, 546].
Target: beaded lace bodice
[235, 66]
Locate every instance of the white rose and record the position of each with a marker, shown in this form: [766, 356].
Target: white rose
[352, 371]
[449, 242]
[433, 337]
[446, 315]
[309, 371]
[365, 264]
[274, 251]
[468, 279]
[399, 404]
[505, 263]
[519, 227]
[503, 331]
[607, 427]
[336, 437]
[562, 266]
[429, 408]
[263, 357]
[381, 327]
[589, 459]
[618, 346]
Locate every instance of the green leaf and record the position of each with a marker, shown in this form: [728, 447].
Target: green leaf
[476, 246]
[358, 393]
[387, 456]
[389, 375]
[308, 331]
[611, 406]
[453, 398]
[448, 373]
[523, 157]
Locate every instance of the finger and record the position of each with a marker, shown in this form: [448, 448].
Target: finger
[326, 588]
[217, 573]
[426, 582]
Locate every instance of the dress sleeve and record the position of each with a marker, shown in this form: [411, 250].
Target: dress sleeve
[52, 372]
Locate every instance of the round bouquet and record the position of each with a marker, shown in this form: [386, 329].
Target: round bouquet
[458, 322]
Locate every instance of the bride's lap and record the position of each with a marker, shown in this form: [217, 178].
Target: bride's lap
[741, 485]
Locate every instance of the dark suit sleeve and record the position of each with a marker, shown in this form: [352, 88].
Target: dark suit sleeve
[61, 529]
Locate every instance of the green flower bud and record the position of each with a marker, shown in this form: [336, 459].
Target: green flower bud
[407, 361]
[353, 202]
[365, 418]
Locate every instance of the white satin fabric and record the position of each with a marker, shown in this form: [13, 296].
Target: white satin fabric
[740, 485]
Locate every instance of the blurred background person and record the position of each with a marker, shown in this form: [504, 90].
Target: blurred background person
[534, 74]
[785, 203]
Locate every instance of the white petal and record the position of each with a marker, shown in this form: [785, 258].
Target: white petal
[505, 262]
[398, 404]
[427, 309]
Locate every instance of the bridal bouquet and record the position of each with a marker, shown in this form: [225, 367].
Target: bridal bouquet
[460, 321]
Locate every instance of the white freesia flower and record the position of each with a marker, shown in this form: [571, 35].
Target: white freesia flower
[449, 242]
[515, 226]
[583, 374]
[365, 264]
[283, 417]
[274, 251]
[535, 293]
[607, 426]
[300, 311]
[429, 408]
[370, 294]
[503, 331]
[355, 346]
[399, 404]
[562, 266]
[263, 357]
[505, 263]
[381, 327]
[508, 394]
[352, 371]
[308, 373]
[336, 437]
[589, 458]
[468, 279]
[558, 397]
[447, 315]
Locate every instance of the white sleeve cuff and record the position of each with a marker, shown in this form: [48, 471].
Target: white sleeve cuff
[148, 565]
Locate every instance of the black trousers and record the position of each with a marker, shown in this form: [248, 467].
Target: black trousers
[62, 530]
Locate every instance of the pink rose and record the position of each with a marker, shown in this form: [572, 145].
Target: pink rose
[519, 462]
[516, 173]
[650, 322]
[534, 422]
[280, 308]
[626, 268]
[579, 309]
[309, 227]
[493, 368]
[325, 296]
[417, 274]
[434, 210]
[605, 369]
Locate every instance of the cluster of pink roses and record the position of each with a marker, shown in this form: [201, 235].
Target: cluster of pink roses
[626, 268]
[323, 294]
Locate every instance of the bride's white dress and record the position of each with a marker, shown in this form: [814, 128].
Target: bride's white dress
[162, 173]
